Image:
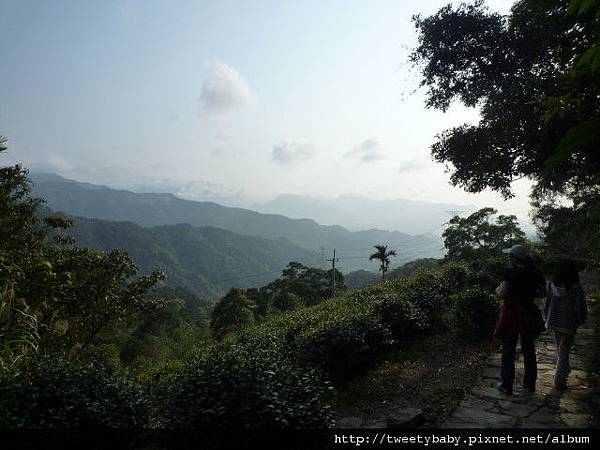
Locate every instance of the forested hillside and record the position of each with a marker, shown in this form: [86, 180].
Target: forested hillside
[206, 260]
[83, 199]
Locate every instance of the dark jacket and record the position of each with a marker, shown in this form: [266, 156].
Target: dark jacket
[519, 313]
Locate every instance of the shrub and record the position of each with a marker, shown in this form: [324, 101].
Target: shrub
[428, 292]
[401, 316]
[234, 386]
[486, 273]
[344, 346]
[52, 392]
[454, 276]
[474, 312]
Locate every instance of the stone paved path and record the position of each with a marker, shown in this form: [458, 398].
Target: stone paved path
[485, 407]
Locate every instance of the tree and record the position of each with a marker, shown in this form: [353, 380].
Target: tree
[508, 66]
[72, 293]
[476, 237]
[231, 313]
[574, 230]
[383, 255]
[286, 301]
[535, 75]
[311, 284]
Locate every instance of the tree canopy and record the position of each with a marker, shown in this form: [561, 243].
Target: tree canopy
[534, 74]
[478, 237]
[67, 295]
[509, 66]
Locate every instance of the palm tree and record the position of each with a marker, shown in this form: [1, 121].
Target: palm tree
[383, 255]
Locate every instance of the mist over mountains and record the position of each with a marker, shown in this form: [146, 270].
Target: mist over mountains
[362, 213]
[208, 248]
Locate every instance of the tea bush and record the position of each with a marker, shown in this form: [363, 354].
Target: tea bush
[52, 392]
[236, 386]
[344, 346]
[403, 318]
[270, 375]
[486, 273]
[429, 293]
[474, 312]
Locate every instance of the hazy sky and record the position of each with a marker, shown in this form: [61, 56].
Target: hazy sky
[249, 98]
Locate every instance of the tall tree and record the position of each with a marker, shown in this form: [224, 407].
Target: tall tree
[507, 66]
[534, 76]
[231, 313]
[73, 293]
[310, 284]
[477, 236]
[383, 255]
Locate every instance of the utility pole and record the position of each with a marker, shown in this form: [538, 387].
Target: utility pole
[322, 262]
[333, 260]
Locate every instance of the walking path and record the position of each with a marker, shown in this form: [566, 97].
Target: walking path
[485, 407]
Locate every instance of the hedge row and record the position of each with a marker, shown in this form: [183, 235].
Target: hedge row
[271, 375]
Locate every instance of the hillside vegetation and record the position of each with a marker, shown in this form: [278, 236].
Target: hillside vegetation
[207, 261]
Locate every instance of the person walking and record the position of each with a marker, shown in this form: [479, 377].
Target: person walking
[565, 310]
[519, 318]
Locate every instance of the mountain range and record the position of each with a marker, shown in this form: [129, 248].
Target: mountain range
[207, 261]
[157, 209]
[360, 213]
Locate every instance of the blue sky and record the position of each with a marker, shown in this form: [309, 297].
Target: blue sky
[246, 98]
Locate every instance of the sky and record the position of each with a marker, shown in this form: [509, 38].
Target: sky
[242, 99]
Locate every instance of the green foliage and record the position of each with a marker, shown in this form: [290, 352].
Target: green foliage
[344, 345]
[311, 284]
[405, 320]
[474, 313]
[286, 301]
[412, 267]
[521, 70]
[18, 328]
[52, 392]
[360, 278]
[231, 313]
[486, 273]
[85, 290]
[160, 336]
[535, 74]
[345, 335]
[202, 260]
[238, 386]
[21, 241]
[571, 230]
[298, 286]
[455, 275]
[476, 237]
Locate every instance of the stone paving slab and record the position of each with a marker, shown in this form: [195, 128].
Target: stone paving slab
[485, 407]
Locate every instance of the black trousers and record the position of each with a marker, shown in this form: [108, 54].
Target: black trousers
[509, 352]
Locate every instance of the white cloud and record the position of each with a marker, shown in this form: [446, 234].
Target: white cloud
[224, 90]
[290, 153]
[369, 150]
[411, 165]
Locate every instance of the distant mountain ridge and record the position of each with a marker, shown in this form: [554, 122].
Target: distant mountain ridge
[149, 209]
[408, 216]
[205, 260]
